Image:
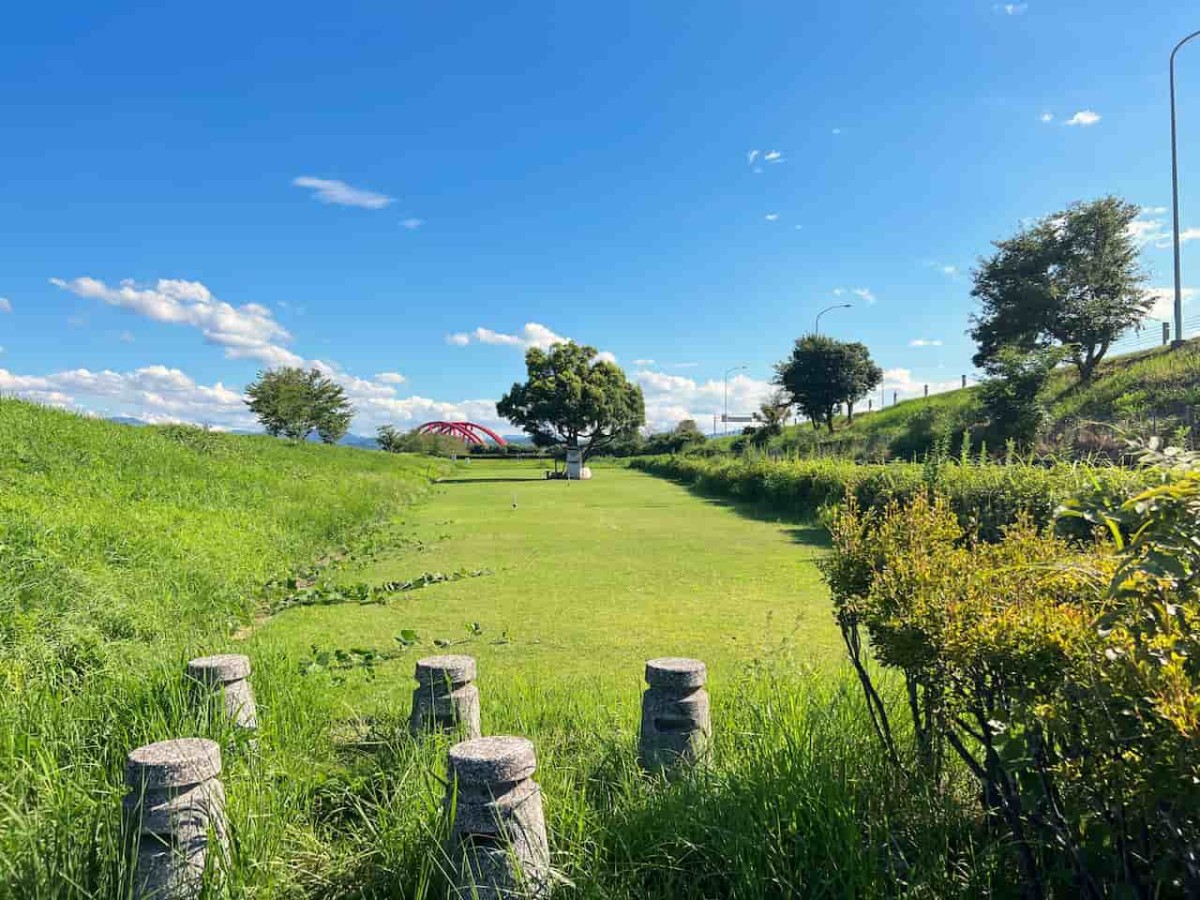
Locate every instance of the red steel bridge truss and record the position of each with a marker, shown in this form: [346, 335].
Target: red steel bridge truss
[470, 432]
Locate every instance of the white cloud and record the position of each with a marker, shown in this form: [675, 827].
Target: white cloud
[864, 294]
[1011, 9]
[1164, 301]
[126, 337]
[5, 305]
[329, 190]
[390, 378]
[607, 356]
[685, 365]
[924, 342]
[1146, 230]
[837, 292]
[771, 217]
[643, 362]
[1047, 117]
[153, 394]
[837, 131]
[458, 339]
[773, 156]
[670, 398]
[249, 331]
[532, 334]
[1084, 118]
[412, 224]
[751, 156]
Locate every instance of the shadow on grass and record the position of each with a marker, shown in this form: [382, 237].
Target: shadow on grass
[490, 480]
[802, 529]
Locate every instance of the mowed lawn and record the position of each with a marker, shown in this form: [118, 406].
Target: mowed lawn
[588, 580]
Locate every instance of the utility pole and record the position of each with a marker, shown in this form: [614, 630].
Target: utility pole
[1175, 198]
[817, 324]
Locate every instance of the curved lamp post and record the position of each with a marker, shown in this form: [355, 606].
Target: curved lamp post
[725, 418]
[817, 325]
[1175, 198]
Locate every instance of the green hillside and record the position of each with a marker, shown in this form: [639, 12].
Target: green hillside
[1146, 392]
[123, 551]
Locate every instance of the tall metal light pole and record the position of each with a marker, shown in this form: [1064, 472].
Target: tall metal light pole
[1175, 198]
[725, 418]
[817, 325]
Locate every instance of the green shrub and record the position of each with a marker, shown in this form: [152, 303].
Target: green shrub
[984, 497]
[1064, 675]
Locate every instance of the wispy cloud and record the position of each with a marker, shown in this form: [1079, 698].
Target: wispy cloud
[864, 294]
[924, 342]
[1083, 118]
[1011, 9]
[390, 378]
[1047, 117]
[1164, 301]
[126, 337]
[751, 156]
[773, 156]
[685, 365]
[249, 331]
[772, 217]
[643, 362]
[5, 305]
[329, 190]
[458, 339]
[413, 224]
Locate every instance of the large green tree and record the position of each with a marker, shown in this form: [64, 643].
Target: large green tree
[1071, 279]
[574, 400]
[822, 374]
[291, 402]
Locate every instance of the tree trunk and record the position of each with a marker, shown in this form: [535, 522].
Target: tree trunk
[850, 413]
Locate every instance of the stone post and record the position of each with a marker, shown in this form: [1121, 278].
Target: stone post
[676, 725]
[498, 841]
[228, 675]
[174, 816]
[446, 698]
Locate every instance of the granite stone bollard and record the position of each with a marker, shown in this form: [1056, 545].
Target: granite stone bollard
[676, 724]
[446, 698]
[498, 841]
[174, 818]
[228, 675]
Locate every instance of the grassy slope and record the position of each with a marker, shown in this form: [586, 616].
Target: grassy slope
[122, 552]
[1140, 391]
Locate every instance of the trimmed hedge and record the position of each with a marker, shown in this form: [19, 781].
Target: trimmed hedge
[988, 496]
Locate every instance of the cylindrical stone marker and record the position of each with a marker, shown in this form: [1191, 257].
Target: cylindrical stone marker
[446, 698]
[174, 817]
[228, 674]
[676, 725]
[498, 840]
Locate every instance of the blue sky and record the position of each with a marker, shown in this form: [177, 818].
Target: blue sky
[411, 194]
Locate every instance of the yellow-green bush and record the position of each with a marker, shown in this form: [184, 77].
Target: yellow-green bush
[1064, 676]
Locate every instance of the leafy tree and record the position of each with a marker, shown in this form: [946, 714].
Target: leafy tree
[772, 415]
[688, 432]
[1070, 279]
[823, 373]
[1014, 397]
[291, 402]
[573, 400]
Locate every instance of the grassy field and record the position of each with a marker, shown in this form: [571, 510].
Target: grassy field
[588, 580]
[125, 551]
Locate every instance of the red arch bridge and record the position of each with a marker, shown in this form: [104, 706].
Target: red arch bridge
[470, 432]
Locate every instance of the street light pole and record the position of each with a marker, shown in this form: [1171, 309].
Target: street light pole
[1175, 198]
[817, 324]
[725, 418]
